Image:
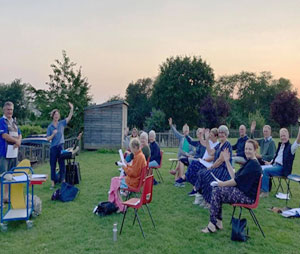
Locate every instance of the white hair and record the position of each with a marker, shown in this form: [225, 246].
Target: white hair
[152, 133]
[144, 135]
[223, 128]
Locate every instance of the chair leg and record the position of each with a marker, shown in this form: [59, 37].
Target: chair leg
[232, 214]
[138, 219]
[159, 175]
[256, 222]
[150, 215]
[123, 220]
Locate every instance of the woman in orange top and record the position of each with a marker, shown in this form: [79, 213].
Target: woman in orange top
[133, 171]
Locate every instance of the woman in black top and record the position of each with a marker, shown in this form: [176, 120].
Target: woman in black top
[241, 188]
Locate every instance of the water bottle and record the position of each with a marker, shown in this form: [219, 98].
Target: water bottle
[115, 232]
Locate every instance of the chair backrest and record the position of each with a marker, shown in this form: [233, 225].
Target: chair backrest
[146, 197]
[258, 192]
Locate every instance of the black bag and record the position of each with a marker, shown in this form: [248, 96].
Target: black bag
[105, 208]
[238, 230]
[66, 193]
[73, 173]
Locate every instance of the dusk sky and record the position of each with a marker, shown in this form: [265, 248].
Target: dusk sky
[117, 42]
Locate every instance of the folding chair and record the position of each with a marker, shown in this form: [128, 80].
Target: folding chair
[158, 167]
[292, 177]
[138, 188]
[250, 207]
[137, 203]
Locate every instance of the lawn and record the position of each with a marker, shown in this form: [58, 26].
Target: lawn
[73, 228]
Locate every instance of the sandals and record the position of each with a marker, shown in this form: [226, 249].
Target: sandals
[211, 228]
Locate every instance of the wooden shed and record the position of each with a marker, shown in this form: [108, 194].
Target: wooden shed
[104, 125]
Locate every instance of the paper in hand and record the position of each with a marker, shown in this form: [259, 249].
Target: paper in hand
[122, 158]
[214, 177]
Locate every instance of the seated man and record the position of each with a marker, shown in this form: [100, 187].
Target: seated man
[240, 147]
[282, 164]
[267, 144]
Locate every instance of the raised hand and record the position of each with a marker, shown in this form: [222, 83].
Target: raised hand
[253, 125]
[206, 134]
[170, 121]
[71, 105]
[226, 154]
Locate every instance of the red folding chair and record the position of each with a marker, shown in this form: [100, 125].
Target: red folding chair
[137, 203]
[250, 207]
[138, 188]
[159, 166]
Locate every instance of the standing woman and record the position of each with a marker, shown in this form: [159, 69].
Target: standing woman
[55, 134]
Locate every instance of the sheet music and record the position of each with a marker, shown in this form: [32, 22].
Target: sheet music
[12, 152]
[122, 157]
[205, 163]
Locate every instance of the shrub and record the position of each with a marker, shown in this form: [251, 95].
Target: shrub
[27, 130]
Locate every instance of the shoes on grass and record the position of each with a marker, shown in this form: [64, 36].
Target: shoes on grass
[192, 193]
[180, 185]
[180, 180]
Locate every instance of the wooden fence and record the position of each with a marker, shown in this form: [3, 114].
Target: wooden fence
[40, 153]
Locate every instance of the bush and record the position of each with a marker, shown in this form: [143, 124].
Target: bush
[27, 130]
[106, 150]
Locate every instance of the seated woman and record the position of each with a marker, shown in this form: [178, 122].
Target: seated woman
[127, 138]
[241, 188]
[133, 174]
[185, 149]
[144, 145]
[191, 174]
[218, 167]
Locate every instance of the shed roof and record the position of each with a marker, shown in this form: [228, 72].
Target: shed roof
[107, 104]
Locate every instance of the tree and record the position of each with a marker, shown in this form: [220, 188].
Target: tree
[65, 85]
[248, 92]
[16, 93]
[117, 97]
[181, 86]
[138, 97]
[285, 108]
[156, 121]
[213, 112]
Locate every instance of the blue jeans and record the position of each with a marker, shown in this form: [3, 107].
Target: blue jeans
[275, 170]
[153, 164]
[55, 152]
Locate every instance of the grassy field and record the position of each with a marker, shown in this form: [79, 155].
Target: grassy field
[73, 228]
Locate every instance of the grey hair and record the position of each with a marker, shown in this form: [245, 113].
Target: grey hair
[152, 132]
[135, 143]
[8, 103]
[223, 128]
[144, 135]
[268, 127]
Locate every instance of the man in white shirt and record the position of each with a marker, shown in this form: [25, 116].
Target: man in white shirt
[282, 163]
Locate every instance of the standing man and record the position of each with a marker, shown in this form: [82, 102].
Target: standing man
[10, 141]
[240, 147]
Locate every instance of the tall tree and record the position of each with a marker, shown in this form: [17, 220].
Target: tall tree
[16, 92]
[285, 108]
[181, 86]
[138, 97]
[65, 85]
[213, 112]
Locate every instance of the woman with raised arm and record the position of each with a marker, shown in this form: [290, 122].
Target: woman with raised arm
[241, 188]
[55, 134]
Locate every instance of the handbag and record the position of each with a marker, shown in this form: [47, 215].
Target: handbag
[238, 232]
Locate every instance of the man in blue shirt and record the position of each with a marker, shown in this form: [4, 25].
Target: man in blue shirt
[10, 140]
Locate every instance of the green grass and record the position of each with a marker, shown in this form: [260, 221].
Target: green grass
[73, 228]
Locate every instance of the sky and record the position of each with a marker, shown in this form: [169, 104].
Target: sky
[120, 41]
